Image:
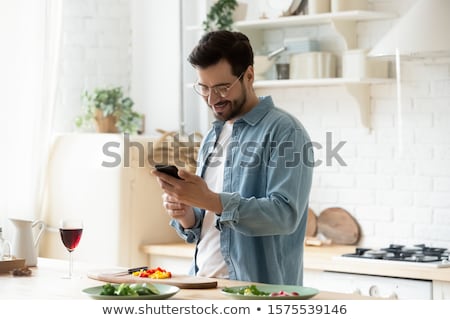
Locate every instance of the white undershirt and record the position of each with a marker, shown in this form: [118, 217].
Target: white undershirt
[209, 258]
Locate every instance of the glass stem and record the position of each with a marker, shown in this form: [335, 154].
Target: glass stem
[70, 264]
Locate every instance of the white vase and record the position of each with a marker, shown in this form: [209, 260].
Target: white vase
[240, 13]
[348, 5]
[318, 6]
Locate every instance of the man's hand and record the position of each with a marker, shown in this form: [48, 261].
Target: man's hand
[191, 191]
[181, 212]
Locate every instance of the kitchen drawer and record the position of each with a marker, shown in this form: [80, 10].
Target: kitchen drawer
[441, 290]
[375, 286]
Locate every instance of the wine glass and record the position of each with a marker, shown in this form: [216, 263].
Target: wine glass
[70, 231]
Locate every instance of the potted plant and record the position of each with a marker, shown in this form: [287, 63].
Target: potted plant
[109, 111]
[220, 15]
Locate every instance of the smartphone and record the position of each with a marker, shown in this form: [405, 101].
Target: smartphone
[170, 170]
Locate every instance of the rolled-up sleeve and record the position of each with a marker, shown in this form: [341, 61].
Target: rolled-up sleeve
[190, 235]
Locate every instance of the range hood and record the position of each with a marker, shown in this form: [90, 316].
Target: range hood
[423, 32]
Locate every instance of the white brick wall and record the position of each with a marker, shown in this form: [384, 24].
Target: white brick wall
[95, 52]
[404, 199]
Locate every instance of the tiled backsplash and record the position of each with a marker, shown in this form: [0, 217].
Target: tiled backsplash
[395, 198]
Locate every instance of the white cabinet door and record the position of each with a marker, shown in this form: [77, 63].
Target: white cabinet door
[121, 205]
[374, 286]
[441, 290]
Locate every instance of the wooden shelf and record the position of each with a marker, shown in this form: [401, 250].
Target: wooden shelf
[358, 89]
[316, 82]
[304, 20]
[316, 19]
[343, 23]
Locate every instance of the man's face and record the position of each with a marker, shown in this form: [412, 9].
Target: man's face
[233, 104]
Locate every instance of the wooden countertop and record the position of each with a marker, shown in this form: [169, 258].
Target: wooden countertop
[327, 258]
[47, 282]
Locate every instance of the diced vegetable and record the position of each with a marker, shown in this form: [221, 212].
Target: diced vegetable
[283, 294]
[157, 273]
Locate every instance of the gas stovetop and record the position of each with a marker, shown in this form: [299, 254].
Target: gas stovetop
[419, 254]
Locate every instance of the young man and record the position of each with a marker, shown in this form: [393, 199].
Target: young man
[246, 208]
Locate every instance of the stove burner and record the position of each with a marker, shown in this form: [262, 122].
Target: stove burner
[420, 257]
[375, 254]
[360, 251]
[396, 252]
[431, 251]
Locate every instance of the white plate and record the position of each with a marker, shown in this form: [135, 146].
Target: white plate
[276, 8]
[303, 292]
[165, 291]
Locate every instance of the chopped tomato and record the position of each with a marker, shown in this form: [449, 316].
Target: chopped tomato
[157, 273]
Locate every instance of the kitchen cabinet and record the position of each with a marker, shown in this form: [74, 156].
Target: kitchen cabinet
[324, 267]
[441, 290]
[344, 26]
[377, 286]
[369, 285]
[121, 204]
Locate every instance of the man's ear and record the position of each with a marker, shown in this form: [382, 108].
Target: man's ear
[250, 74]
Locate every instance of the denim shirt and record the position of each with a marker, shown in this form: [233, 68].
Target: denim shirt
[266, 187]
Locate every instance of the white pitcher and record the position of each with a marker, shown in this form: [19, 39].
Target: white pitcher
[25, 244]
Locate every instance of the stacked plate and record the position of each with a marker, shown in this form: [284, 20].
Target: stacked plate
[300, 45]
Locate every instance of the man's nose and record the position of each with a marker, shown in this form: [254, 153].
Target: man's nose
[213, 97]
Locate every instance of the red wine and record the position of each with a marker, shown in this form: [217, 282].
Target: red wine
[70, 237]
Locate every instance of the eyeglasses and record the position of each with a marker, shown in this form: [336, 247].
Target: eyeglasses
[220, 90]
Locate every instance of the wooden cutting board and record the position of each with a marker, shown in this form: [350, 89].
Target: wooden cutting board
[8, 265]
[338, 225]
[180, 281]
[311, 223]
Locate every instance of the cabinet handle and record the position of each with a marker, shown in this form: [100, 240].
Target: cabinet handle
[373, 291]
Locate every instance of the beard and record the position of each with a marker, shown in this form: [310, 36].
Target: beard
[229, 109]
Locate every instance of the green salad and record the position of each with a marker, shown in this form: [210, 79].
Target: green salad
[126, 289]
[251, 290]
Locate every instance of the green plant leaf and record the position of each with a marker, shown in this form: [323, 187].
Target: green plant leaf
[110, 101]
[220, 16]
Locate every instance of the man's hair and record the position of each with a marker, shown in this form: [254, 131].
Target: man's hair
[214, 46]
